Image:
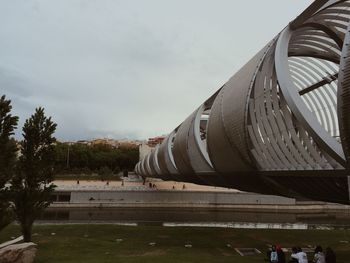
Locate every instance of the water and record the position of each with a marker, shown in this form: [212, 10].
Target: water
[198, 217]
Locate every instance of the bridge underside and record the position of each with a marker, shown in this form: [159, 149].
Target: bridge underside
[281, 124]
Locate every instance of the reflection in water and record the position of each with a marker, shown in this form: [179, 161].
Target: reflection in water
[204, 216]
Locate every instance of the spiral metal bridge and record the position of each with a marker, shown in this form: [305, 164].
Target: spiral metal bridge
[281, 124]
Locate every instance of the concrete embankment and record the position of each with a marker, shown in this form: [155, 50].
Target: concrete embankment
[188, 199]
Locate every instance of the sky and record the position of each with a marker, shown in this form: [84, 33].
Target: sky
[127, 69]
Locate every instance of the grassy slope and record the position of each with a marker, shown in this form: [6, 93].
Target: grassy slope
[70, 243]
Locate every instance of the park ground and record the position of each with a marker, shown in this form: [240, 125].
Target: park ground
[90, 243]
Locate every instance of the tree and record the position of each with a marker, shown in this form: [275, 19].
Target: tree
[105, 173]
[31, 186]
[8, 149]
[84, 158]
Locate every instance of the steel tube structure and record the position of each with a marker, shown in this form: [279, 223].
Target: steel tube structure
[281, 124]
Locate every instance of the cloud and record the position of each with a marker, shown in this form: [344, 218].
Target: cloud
[14, 83]
[127, 68]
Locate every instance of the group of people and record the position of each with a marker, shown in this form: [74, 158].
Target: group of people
[276, 255]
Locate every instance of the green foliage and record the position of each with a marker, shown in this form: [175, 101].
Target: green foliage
[6, 216]
[31, 185]
[79, 158]
[116, 170]
[8, 124]
[105, 172]
[125, 173]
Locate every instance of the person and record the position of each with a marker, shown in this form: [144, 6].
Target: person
[280, 254]
[299, 255]
[319, 256]
[330, 256]
[294, 251]
[273, 255]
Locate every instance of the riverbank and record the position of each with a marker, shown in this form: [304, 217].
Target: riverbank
[132, 193]
[198, 216]
[91, 243]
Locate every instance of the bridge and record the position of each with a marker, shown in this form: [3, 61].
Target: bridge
[281, 124]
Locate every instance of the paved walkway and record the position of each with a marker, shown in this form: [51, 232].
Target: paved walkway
[150, 184]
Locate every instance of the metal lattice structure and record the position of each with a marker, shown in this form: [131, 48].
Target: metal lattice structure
[281, 124]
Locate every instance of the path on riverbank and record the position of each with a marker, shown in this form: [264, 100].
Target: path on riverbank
[129, 184]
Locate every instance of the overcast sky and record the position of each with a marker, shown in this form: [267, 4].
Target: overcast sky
[127, 69]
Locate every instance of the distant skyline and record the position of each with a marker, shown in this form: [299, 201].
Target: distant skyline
[127, 69]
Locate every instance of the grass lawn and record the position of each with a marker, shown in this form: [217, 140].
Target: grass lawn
[97, 243]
